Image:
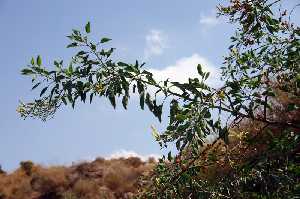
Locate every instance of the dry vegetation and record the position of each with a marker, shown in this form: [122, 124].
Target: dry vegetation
[115, 178]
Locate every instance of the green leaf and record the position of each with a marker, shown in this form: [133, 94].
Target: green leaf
[199, 69]
[35, 86]
[43, 91]
[133, 88]
[32, 61]
[26, 71]
[207, 114]
[72, 45]
[64, 100]
[170, 156]
[125, 101]
[122, 64]
[149, 102]
[83, 96]
[206, 75]
[39, 60]
[104, 40]
[91, 97]
[70, 69]
[142, 100]
[73, 103]
[140, 87]
[56, 64]
[112, 100]
[180, 117]
[158, 111]
[155, 133]
[173, 110]
[178, 144]
[81, 53]
[88, 27]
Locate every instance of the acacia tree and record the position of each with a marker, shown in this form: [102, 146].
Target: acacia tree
[263, 59]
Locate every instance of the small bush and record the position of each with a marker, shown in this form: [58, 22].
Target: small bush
[134, 161]
[83, 188]
[27, 166]
[49, 180]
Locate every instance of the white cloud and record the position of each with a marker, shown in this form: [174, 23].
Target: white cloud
[209, 20]
[156, 42]
[126, 154]
[186, 68]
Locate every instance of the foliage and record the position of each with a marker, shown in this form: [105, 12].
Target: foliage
[263, 62]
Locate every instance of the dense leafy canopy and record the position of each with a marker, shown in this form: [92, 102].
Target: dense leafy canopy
[263, 62]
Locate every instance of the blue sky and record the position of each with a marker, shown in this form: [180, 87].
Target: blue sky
[171, 36]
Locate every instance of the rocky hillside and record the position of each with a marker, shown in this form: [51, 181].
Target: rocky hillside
[110, 179]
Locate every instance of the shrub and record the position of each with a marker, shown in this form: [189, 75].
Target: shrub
[134, 161]
[86, 188]
[27, 167]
